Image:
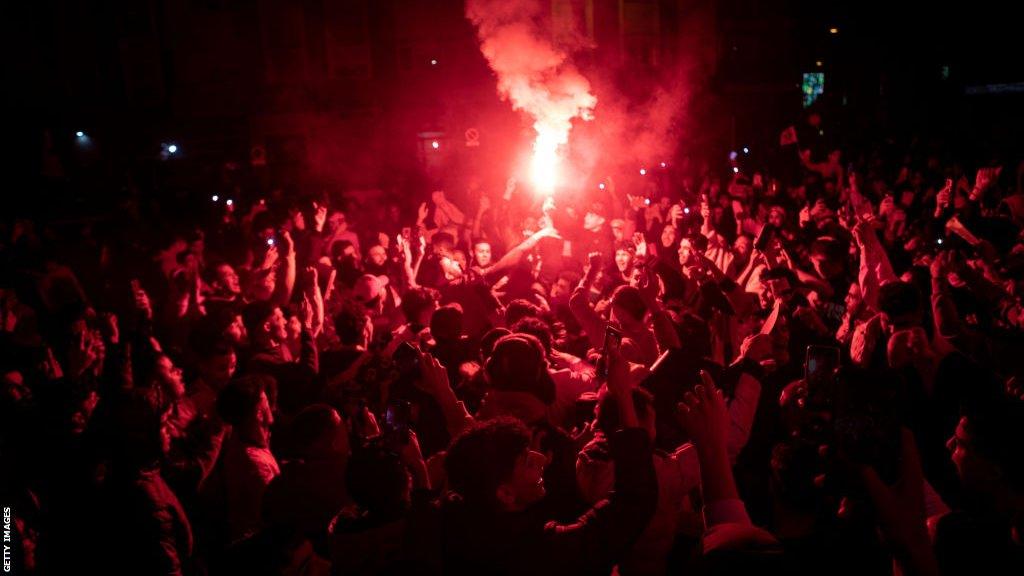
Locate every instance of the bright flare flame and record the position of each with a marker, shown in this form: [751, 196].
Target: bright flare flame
[536, 75]
[545, 162]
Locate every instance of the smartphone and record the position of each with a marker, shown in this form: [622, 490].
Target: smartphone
[135, 286]
[397, 417]
[611, 334]
[270, 241]
[407, 358]
[407, 232]
[820, 368]
[764, 237]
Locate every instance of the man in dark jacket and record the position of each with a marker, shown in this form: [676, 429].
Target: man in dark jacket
[493, 525]
[296, 378]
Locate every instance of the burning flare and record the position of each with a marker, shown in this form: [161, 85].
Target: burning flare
[545, 161]
[535, 76]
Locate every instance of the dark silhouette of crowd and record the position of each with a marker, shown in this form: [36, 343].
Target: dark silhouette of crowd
[809, 370]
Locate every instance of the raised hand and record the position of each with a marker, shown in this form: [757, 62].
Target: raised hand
[984, 179]
[704, 415]
[619, 384]
[943, 198]
[805, 216]
[640, 243]
[287, 244]
[109, 327]
[142, 303]
[306, 313]
[756, 347]
[319, 216]
[433, 376]
[675, 213]
[270, 258]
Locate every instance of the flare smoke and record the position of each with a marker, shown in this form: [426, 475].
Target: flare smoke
[536, 76]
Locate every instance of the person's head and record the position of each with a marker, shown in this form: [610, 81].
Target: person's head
[987, 452]
[245, 405]
[226, 280]
[777, 216]
[293, 326]
[518, 379]
[371, 291]
[482, 253]
[690, 248]
[234, 331]
[343, 250]
[814, 119]
[536, 328]
[265, 323]
[352, 325]
[459, 257]
[492, 467]
[377, 255]
[446, 323]
[628, 308]
[564, 284]
[776, 284]
[669, 235]
[854, 298]
[378, 481]
[519, 309]
[220, 327]
[156, 372]
[296, 218]
[608, 418]
[624, 258]
[489, 339]
[828, 257]
[338, 222]
[136, 429]
[217, 365]
[319, 431]
[443, 244]
[418, 304]
[619, 229]
[902, 303]
[742, 246]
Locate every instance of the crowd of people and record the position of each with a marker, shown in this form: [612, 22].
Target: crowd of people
[738, 374]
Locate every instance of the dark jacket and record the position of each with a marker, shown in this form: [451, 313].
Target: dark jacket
[147, 525]
[297, 384]
[475, 541]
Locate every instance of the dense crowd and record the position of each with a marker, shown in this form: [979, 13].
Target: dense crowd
[803, 371]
